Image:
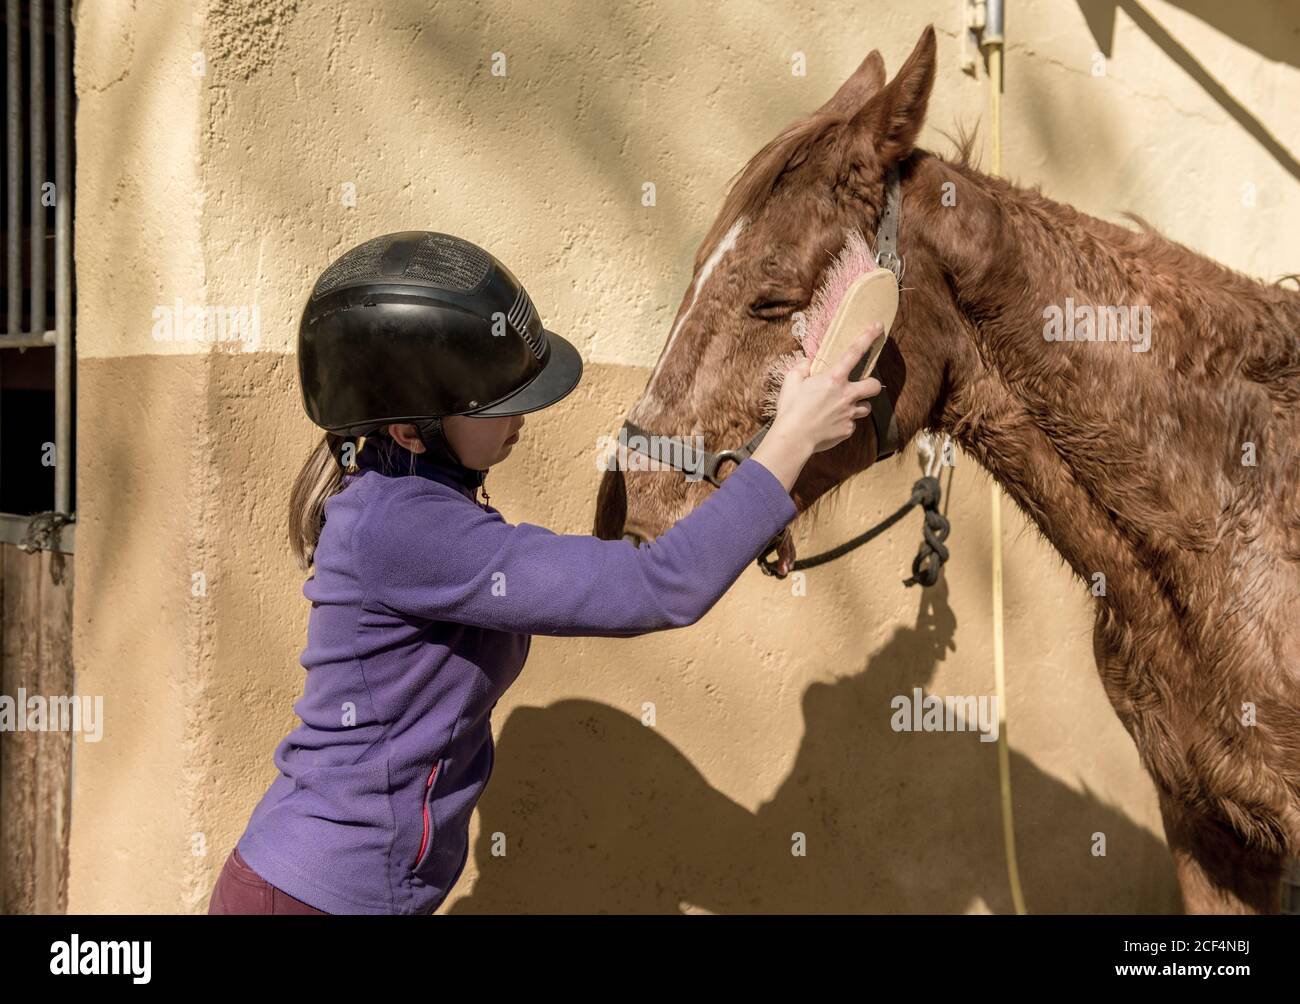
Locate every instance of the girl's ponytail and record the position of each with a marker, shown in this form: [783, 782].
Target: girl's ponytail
[321, 476]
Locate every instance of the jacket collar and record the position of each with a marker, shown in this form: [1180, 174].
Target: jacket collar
[381, 454]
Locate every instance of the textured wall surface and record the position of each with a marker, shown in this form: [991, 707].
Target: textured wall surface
[229, 149]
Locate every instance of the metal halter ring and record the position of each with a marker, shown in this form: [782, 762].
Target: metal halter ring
[695, 464]
[891, 261]
[711, 472]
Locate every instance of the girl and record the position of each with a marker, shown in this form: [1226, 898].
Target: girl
[424, 600]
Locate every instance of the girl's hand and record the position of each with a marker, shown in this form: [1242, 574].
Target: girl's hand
[814, 413]
[824, 408]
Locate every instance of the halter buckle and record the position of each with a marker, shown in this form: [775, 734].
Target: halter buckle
[891, 261]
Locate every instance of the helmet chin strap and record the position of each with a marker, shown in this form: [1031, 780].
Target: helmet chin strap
[435, 441]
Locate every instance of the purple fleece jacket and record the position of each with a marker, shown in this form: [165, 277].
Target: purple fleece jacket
[423, 604]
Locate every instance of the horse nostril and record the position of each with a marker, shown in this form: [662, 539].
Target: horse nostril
[636, 539]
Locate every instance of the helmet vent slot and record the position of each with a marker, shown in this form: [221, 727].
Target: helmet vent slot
[523, 318]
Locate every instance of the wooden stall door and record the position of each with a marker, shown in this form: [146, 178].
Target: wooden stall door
[35, 766]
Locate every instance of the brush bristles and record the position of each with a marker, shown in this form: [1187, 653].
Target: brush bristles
[776, 372]
[853, 260]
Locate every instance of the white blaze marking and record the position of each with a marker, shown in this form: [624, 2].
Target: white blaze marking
[650, 401]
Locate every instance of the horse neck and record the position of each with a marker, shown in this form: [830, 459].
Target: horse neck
[1125, 459]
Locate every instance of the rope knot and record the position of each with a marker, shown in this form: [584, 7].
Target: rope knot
[927, 566]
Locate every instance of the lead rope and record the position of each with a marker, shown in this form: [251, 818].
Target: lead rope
[927, 566]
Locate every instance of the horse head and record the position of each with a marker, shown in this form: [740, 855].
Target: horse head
[737, 329]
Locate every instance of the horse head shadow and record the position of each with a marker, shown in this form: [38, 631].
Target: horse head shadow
[601, 814]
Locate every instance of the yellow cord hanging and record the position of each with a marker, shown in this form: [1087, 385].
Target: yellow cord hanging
[994, 44]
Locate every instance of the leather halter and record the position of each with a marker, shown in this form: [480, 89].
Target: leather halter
[697, 464]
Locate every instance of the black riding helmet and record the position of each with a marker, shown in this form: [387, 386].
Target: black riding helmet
[416, 326]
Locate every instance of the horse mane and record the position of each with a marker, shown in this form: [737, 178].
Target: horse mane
[754, 183]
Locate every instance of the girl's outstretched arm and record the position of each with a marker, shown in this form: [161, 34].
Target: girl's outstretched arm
[427, 553]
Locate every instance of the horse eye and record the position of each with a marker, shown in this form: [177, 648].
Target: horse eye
[777, 305]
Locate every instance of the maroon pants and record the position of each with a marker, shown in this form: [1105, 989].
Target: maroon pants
[239, 889]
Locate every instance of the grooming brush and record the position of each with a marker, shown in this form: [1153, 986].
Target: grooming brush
[855, 294]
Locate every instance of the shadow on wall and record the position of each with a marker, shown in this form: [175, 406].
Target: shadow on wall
[602, 815]
[1266, 29]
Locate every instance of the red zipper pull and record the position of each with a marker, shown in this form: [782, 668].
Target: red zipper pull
[424, 837]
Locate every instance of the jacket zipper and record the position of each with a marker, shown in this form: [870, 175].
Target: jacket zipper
[424, 838]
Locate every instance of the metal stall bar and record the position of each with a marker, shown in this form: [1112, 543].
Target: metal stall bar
[62, 267]
[14, 147]
[52, 529]
[36, 215]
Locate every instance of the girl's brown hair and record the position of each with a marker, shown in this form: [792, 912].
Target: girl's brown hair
[321, 477]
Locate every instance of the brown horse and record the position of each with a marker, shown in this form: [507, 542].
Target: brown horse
[1170, 467]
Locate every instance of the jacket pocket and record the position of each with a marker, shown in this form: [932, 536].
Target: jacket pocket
[427, 830]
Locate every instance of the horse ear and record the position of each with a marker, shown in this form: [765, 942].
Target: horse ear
[866, 80]
[891, 119]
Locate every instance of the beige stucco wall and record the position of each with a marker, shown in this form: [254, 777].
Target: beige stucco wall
[225, 188]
